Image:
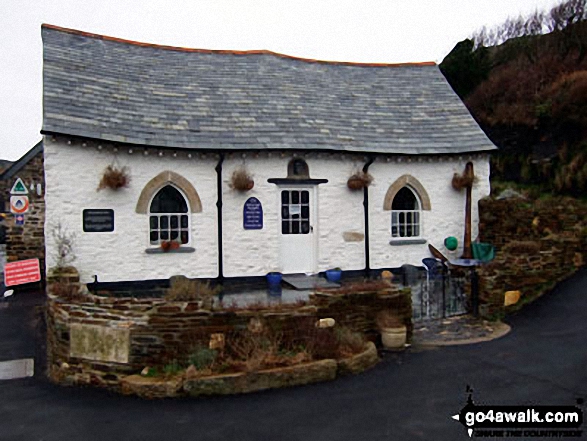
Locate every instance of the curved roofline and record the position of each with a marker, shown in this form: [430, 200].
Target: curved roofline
[231, 52]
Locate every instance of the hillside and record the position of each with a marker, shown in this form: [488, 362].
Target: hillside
[529, 94]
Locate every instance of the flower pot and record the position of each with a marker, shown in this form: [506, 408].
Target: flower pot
[333, 275]
[394, 338]
[274, 279]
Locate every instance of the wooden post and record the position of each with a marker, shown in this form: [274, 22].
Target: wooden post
[467, 252]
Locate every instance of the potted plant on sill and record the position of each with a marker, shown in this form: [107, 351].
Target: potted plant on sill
[168, 245]
[334, 275]
[392, 329]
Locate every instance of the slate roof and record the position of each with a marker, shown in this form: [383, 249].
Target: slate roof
[105, 88]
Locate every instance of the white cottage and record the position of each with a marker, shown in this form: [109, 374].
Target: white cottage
[184, 120]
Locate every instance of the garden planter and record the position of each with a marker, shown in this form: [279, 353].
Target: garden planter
[274, 279]
[394, 338]
[333, 275]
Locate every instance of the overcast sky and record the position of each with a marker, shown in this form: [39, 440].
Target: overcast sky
[349, 30]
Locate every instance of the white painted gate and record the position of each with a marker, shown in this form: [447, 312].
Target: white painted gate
[297, 221]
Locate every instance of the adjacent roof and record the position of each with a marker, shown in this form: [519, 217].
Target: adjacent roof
[17, 165]
[110, 89]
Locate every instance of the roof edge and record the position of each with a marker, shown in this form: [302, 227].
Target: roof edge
[232, 52]
[22, 161]
[487, 150]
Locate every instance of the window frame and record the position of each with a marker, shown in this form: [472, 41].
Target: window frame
[415, 213]
[188, 229]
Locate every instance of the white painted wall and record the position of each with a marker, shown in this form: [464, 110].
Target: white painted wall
[447, 214]
[257, 252]
[72, 174]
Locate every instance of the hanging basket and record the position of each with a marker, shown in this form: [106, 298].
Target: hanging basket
[359, 180]
[114, 178]
[241, 180]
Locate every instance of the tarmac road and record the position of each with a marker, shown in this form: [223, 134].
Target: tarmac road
[408, 396]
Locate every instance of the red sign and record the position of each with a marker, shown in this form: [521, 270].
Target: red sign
[23, 271]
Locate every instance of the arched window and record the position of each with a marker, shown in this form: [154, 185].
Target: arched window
[168, 216]
[405, 214]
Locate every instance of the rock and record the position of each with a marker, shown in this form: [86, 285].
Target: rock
[509, 193]
[217, 341]
[145, 371]
[325, 323]
[151, 387]
[64, 366]
[511, 298]
[191, 371]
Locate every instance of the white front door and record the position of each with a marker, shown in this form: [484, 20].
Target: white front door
[297, 222]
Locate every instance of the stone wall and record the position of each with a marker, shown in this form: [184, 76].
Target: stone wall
[152, 331]
[27, 241]
[538, 243]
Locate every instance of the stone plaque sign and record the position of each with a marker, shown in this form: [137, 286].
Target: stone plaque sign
[253, 214]
[98, 220]
[99, 343]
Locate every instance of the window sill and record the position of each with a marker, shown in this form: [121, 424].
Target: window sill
[178, 250]
[414, 241]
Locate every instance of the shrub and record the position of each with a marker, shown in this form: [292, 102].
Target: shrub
[202, 358]
[67, 291]
[349, 342]
[172, 368]
[183, 289]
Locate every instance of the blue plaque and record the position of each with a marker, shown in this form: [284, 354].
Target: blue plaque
[253, 214]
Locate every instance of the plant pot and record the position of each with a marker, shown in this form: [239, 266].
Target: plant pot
[394, 338]
[333, 275]
[274, 279]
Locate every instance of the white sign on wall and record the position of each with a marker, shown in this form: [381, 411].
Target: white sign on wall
[19, 204]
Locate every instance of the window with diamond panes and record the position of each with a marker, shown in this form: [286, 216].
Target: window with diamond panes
[168, 218]
[405, 214]
[295, 211]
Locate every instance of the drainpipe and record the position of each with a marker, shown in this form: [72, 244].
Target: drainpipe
[366, 212]
[219, 208]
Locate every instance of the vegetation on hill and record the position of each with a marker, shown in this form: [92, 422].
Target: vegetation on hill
[525, 82]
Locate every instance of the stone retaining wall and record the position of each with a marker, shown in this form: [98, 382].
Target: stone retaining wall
[88, 340]
[538, 243]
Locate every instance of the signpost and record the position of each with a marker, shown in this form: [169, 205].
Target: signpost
[21, 272]
[253, 214]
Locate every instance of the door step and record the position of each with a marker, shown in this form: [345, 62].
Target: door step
[304, 282]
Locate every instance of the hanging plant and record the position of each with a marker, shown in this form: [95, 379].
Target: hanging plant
[114, 178]
[359, 180]
[241, 180]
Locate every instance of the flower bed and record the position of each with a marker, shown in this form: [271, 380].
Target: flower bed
[103, 341]
[246, 382]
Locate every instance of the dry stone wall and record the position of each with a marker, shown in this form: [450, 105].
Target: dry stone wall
[27, 241]
[538, 243]
[158, 329]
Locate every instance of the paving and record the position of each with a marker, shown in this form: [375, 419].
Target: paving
[458, 330]
[408, 396]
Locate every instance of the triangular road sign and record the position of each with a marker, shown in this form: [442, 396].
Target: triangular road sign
[19, 187]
